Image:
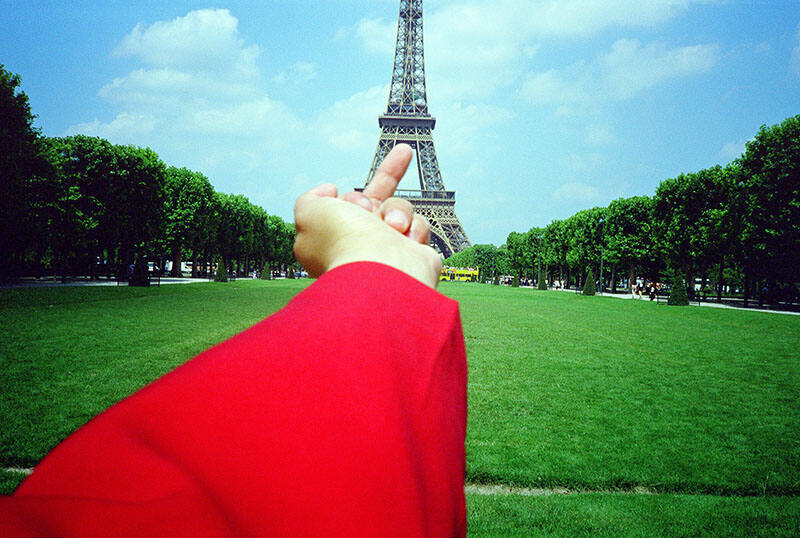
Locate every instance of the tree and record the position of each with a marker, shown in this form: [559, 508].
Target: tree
[584, 231]
[768, 197]
[486, 261]
[188, 197]
[281, 241]
[521, 253]
[139, 276]
[221, 274]
[226, 227]
[23, 166]
[86, 166]
[588, 285]
[515, 245]
[678, 295]
[135, 200]
[629, 235]
[115, 195]
[555, 246]
[541, 281]
[502, 267]
[266, 272]
[691, 219]
[535, 249]
[465, 258]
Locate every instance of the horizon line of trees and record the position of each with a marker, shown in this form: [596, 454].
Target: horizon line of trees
[80, 205]
[734, 226]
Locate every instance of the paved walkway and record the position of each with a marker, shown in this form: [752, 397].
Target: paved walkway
[33, 283]
[695, 303]
[49, 282]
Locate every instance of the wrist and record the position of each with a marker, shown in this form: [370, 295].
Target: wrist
[422, 264]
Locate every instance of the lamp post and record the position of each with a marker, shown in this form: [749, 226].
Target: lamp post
[539, 277]
[602, 241]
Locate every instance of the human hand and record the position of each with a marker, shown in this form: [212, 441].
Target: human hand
[371, 226]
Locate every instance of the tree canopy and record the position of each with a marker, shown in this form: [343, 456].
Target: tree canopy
[737, 225]
[82, 205]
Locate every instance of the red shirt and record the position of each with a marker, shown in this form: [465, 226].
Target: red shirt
[342, 414]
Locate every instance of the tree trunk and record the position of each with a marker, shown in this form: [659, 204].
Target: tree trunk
[632, 277]
[703, 281]
[746, 287]
[92, 264]
[194, 263]
[614, 278]
[176, 262]
[772, 290]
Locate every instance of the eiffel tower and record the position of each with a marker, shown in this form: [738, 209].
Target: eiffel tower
[407, 120]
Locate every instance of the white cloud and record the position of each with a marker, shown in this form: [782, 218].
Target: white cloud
[300, 74]
[168, 88]
[625, 71]
[557, 88]
[204, 41]
[197, 98]
[351, 124]
[582, 164]
[191, 62]
[600, 135]
[378, 36]
[586, 17]
[629, 68]
[125, 124]
[576, 192]
[263, 117]
[195, 59]
[473, 48]
[732, 151]
[466, 127]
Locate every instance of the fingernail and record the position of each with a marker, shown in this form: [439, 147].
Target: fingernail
[396, 219]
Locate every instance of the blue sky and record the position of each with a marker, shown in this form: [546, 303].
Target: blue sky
[543, 108]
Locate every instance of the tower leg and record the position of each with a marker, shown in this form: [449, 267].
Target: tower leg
[432, 201]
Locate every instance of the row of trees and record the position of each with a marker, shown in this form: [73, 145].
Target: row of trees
[81, 205]
[732, 226]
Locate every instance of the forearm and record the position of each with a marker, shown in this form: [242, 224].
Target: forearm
[344, 413]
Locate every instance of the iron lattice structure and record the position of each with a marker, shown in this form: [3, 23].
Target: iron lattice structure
[407, 120]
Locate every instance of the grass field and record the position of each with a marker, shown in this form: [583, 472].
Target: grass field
[697, 406]
[68, 353]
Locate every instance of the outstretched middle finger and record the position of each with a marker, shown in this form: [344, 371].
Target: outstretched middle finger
[389, 173]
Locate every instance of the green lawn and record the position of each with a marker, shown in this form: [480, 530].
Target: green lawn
[598, 393]
[587, 393]
[68, 353]
[604, 514]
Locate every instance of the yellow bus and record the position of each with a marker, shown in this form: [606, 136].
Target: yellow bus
[459, 274]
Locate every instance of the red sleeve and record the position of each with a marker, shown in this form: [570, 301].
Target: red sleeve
[342, 414]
